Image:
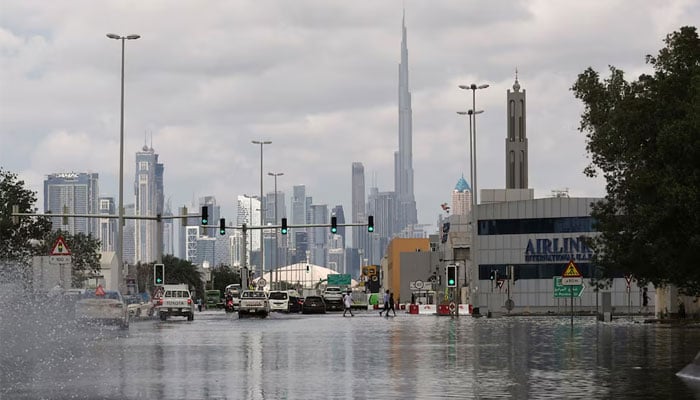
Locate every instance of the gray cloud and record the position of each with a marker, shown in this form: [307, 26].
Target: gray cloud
[318, 78]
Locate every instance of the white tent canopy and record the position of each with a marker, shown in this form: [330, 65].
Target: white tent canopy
[304, 274]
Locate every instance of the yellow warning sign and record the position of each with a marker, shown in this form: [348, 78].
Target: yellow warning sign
[571, 271]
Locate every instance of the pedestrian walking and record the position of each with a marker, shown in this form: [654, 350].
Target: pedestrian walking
[347, 300]
[391, 304]
[386, 304]
[199, 304]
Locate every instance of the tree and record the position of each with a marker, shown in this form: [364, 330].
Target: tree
[176, 271]
[644, 137]
[85, 253]
[18, 240]
[224, 276]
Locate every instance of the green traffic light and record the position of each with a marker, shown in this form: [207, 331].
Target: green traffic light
[451, 282]
[284, 231]
[334, 230]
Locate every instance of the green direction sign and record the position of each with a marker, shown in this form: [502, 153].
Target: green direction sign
[565, 291]
[338, 279]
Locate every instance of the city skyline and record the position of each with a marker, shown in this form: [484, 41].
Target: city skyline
[334, 100]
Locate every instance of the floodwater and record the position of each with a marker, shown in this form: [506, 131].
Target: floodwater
[218, 356]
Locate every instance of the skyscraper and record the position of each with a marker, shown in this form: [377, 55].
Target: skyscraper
[461, 198]
[148, 190]
[516, 141]
[107, 231]
[319, 236]
[359, 236]
[298, 211]
[403, 159]
[75, 193]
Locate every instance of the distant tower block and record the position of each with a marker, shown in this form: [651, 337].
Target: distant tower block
[516, 141]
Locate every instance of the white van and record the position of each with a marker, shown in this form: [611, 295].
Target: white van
[279, 300]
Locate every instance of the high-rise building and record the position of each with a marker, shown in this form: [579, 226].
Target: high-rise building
[148, 190]
[339, 214]
[107, 231]
[74, 193]
[319, 235]
[129, 235]
[461, 198]
[359, 236]
[298, 211]
[406, 212]
[247, 214]
[273, 199]
[516, 141]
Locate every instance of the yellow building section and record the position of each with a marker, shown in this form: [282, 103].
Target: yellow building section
[397, 246]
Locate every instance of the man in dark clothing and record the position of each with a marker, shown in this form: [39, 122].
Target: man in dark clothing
[391, 305]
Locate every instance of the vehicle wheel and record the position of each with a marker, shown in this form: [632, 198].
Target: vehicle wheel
[190, 317]
[163, 316]
[138, 313]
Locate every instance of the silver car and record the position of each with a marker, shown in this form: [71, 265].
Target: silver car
[107, 306]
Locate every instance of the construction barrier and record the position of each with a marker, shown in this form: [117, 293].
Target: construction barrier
[413, 308]
[427, 309]
[443, 309]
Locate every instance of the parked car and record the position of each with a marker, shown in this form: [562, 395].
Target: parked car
[105, 306]
[253, 302]
[137, 306]
[314, 305]
[295, 303]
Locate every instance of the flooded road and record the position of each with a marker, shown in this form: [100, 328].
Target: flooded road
[218, 356]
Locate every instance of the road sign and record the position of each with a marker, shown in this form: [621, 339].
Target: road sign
[59, 248]
[338, 279]
[262, 282]
[499, 283]
[99, 291]
[571, 271]
[628, 278]
[572, 281]
[565, 291]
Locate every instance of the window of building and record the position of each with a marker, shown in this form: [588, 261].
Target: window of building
[536, 225]
[143, 165]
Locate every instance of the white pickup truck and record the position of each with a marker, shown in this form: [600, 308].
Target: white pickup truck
[253, 302]
[176, 300]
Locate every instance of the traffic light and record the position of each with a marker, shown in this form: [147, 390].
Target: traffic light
[158, 274]
[307, 268]
[370, 223]
[334, 225]
[451, 276]
[205, 215]
[284, 226]
[492, 276]
[222, 226]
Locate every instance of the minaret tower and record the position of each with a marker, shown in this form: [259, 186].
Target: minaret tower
[516, 140]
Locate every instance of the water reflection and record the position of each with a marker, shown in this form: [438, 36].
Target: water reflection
[366, 356]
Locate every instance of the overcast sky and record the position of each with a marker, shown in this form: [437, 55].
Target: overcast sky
[317, 78]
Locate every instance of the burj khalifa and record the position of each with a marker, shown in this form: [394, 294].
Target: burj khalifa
[403, 159]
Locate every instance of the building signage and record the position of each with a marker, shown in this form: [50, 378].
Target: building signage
[557, 249]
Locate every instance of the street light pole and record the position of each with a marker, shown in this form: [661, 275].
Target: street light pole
[262, 236]
[473, 150]
[277, 246]
[120, 221]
